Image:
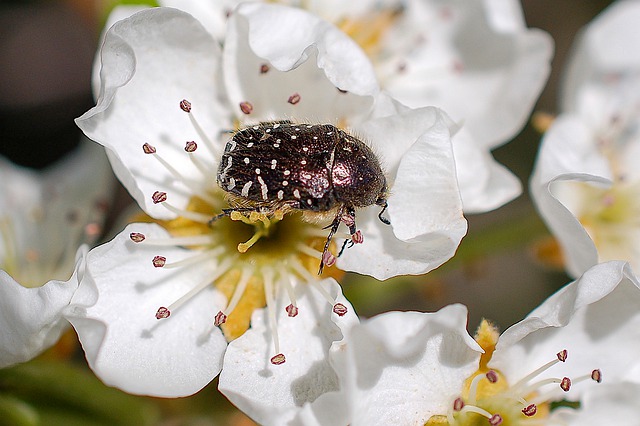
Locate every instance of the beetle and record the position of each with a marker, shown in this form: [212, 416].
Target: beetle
[318, 169]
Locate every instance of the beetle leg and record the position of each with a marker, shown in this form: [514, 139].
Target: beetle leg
[326, 255]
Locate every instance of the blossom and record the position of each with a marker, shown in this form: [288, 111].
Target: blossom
[45, 218]
[476, 60]
[423, 368]
[150, 312]
[585, 183]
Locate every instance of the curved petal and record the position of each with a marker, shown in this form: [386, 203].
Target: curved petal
[476, 65]
[405, 367]
[289, 64]
[273, 394]
[212, 15]
[595, 318]
[114, 310]
[614, 404]
[424, 206]
[31, 318]
[484, 183]
[139, 99]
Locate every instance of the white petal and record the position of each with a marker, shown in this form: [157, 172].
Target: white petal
[306, 58]
[407, 366]
[424, 207]
[150, 62]
[31, 318]
[595, 318]
[273, 394]
[484, 183]
[114, 309]
[604, 404]
[212, 14]
[476, 66]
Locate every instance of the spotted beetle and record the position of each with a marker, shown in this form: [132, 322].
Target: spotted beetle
[318, 169]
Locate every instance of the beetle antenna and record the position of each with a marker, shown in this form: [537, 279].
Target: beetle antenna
[382, 218]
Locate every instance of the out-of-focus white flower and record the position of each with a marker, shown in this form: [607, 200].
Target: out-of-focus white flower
[423, 368]
[168, 96]
[586, 183]
[45, 217]
[477, 60]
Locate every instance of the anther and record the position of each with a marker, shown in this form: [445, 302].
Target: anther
[492, 376]
[292, 310]
[294, 99]
[565, 384]
[148, 149]
[562, 355]
[278, 359]
[159, 197]
[159, 261]
[458, 404]
[357, 237]
[219, 319]
[339, 309]
[596, 375]
[190, 146]
[495, 420]
[185, 105]
[246, 107]
[137, 237]
[264, 68]
[530, 410]
[162, 313]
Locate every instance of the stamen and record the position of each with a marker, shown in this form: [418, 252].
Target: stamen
[279, 358]
[561, 357]
[162, 313]
[473, 388]
[357, 238]
[191, 215]
[246, 107]
[291, 310]
[491, 376]
[264, 68]
[243, 247]
[193, 260]
[190, 147]
[220, 270]
[292, 295]
[159, 261]
[186, 107]
[328, 259]
[159, 197]
[137, 237]
[294, 99]
[302, 248]
[148, 149]
[339, 309]
[495, 420]
[530, 410]
[195, 240]
[238, 291]
[596, 375]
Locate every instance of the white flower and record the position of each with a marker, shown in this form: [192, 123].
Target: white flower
[477, 60]
[423, 368]
[45, 217]
[586, 183]
[193, 274]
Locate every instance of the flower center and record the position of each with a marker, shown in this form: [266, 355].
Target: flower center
[253, 255]
[368, 30]
[488, 398]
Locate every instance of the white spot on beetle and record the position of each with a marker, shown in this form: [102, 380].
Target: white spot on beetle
[246, 160]
[263, 188]
[287, 172]
[296, 193]
[273, 164]
[257, 171]
[285, 183]
[232, 184]
[280, 194]
[245, 189]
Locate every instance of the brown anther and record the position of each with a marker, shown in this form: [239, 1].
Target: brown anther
[137, 237]
[492, 376]
[148, 149]
[159, 261]
[278, 359]
[596, 375]
[92, 229]
[246, 107]
[162, 313]
[185, 105]
[357, 238]
[159, 197]
[341, 90]
[294, 99]
[190, 146]
[219, 319]
[339, 309]
[264, 68]
[495, 420]
[565, 384]
[562, 355]
[530, 410]
[292, 310]
[458, 404]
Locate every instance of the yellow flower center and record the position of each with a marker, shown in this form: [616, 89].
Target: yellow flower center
[487, 397]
